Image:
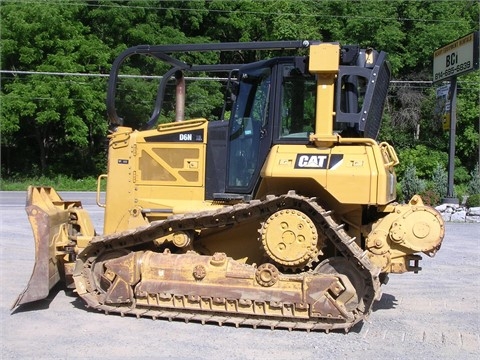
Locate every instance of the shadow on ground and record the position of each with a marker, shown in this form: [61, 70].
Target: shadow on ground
[386, 302]
[39, 304]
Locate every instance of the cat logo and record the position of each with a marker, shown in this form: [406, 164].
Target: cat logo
[310, 161]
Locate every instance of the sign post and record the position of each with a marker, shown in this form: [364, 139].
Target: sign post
[450, 61]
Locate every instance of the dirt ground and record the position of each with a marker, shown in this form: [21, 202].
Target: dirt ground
[431, 315]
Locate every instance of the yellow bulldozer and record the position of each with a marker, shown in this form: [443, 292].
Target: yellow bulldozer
[280, 214]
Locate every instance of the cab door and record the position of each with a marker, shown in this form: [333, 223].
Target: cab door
[250, 133]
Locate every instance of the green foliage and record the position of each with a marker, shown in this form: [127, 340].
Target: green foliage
[474, 183]
[411, 184]
[468, 110]
[425, 35]
[460, 192]
[430, 197]
[424, 160]
[391, 134]
[460, 175]
[61, 115]
[473, 201]
[436, 187]
[362, 22]
[56, 124]
[439, 180]
[59, 182]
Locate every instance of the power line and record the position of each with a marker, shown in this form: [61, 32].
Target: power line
[52, 73]
[425, 83]
[153, 77]
[349, 16]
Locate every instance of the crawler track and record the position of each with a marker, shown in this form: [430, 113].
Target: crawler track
[227, 310]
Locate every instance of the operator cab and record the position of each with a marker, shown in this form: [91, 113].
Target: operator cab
[275, 103]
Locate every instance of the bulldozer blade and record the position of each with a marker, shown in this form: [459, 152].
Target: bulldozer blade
[48, 217]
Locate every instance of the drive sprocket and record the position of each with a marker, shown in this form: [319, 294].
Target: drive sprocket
[291, 239]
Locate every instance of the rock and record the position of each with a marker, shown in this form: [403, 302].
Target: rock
[449, 210]
[474, 211]
[459, 216]
[453, 206]
[446, 216]
[441, 208]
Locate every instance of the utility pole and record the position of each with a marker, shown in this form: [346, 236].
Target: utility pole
[451, 198]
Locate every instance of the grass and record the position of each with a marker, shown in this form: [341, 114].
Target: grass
[59, 182]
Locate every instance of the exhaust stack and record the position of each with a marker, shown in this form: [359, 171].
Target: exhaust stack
[180, 96]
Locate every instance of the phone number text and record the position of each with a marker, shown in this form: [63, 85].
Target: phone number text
[453, 70]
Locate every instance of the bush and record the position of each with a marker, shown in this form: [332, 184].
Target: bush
[411, 184]
[460, 192]
[398, 191]
[437, 186]
[430, 198]
[474, 183]
[440, 181]
[473, 201]
[424, 160]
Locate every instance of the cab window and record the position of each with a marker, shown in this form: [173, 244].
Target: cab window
[248, 122]
[297, 104]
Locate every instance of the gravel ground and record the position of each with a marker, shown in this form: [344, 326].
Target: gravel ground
[431, 315]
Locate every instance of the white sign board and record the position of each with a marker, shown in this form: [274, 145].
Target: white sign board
[456, 58]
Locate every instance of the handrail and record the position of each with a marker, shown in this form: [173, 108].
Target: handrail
[99, 182]
[391, 154]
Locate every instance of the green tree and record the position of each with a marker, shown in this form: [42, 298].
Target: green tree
[66, 114]
[438, 185]
[411, 184]
[62, 113]
[367, 23]
[430, 25]
[468, 110]
[474, 183]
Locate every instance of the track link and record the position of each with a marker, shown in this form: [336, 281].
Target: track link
[229, 215]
